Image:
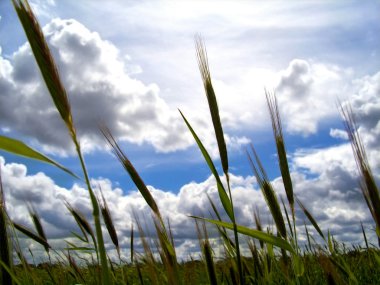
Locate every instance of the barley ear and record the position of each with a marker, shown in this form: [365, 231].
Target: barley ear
[211, 98]
[83, 224]
[268, 192]
[311, 218]
[34, 236]
[280, 145]
[38, 225]
[45, 61]
[207, 252]
[367, 184]
[131, 170]
[109, 224]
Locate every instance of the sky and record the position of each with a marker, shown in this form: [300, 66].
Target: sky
[132, 64]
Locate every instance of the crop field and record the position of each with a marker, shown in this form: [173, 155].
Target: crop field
[242, 255]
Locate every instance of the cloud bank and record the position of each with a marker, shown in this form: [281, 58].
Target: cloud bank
[325, 180]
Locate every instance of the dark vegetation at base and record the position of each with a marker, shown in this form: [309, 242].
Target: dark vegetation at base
[362, 264]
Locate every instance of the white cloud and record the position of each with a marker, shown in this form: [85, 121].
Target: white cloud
[100, 89]
[308, 92]
[331, 195]
[317, 160]
[331, 175]
[338, 134]
[43, 8]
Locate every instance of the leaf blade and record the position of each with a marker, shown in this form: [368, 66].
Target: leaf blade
[221, 190]
[271, 239]
[18, 147]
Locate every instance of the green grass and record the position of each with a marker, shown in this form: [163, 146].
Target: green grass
[275, 256]
[362, 264]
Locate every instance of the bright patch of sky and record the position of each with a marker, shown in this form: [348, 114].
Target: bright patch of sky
[131, 64]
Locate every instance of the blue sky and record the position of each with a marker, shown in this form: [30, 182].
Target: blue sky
[132, 64]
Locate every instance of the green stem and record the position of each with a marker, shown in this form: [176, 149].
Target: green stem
[238, 257]
[95, 213]
[295, 230]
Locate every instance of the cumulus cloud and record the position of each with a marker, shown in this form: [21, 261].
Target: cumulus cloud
[330, 174]
[308, 92]
[328, 188]
[38, 190]
[101, 90]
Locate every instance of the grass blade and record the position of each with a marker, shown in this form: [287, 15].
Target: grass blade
[20, 148]
[287, 218]
[268, 192]
[259, 227]
[207, 252]
[38, 225]
[109, 224]
[311, 218]
[167, 247]
[221, 190]
[32, 235]
[225, 200]
[132, 245]
[81, 221]
[266, 237]
[131, 170]
[11, 274]
[364, 236]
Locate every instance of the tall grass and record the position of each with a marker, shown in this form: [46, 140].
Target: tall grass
[214, 111]
[367, 182]
[60, 98]
[276, 254]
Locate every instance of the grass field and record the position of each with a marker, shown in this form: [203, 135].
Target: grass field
[275, 254]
